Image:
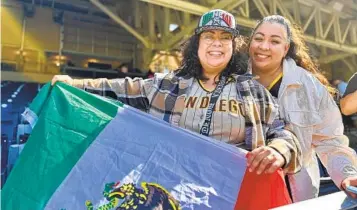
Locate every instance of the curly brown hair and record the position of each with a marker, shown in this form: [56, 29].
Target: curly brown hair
[191, 65]
[298, 49]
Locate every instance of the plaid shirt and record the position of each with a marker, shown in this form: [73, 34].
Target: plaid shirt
[164, 97]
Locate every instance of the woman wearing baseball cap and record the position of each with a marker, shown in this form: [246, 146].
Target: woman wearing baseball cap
[209, 95]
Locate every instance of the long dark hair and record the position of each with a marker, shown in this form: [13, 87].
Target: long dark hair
[298, 50]
[191, 65]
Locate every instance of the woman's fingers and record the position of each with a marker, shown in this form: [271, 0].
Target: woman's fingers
[348, 182]
[62, 78]
[252, 154]
[275, 166]
[257, 155]
[265, 163]
[264, 160]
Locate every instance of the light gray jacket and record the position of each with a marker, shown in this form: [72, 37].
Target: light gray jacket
[316, 120]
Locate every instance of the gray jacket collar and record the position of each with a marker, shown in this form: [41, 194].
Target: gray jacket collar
[291, 76]
[292, 73]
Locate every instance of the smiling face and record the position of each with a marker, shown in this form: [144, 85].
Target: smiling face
[268, 46]
[215, 50]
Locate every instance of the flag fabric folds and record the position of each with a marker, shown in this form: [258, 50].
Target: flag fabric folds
[89, 152]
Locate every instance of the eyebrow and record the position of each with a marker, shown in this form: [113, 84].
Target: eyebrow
[277, 36]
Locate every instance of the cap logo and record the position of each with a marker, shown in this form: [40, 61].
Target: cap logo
[218, 18]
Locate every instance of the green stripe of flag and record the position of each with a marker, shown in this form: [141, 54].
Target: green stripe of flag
[68, 122]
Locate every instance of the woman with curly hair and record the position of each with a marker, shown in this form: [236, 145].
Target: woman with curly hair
[209, 95]
[279, 56]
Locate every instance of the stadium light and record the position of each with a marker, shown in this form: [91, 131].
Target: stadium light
[173, 26]
[3, 105]
[62, 57]
[92, 60]
[9, 100]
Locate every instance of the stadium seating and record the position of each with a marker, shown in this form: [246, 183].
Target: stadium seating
[4, 157]
[14, 131]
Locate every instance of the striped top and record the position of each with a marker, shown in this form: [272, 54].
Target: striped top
[227, 124]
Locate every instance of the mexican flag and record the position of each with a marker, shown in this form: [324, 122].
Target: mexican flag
[89, 152]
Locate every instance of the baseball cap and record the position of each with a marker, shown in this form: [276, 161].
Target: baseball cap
[217, 19]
